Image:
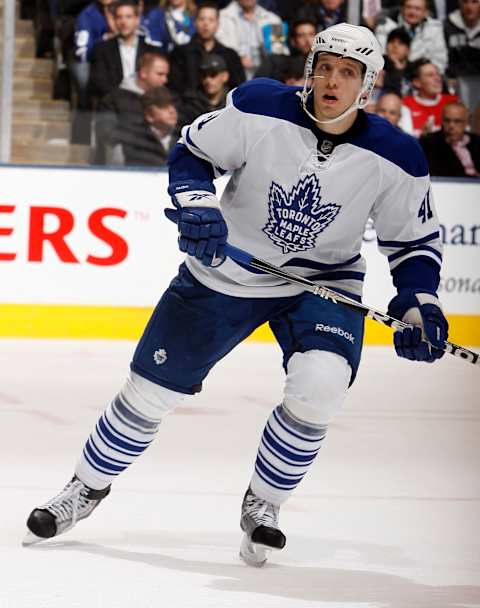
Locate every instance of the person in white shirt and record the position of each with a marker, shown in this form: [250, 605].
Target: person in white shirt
[426, 33]
[241, 28]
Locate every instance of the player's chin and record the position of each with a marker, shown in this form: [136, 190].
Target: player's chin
[332, 111]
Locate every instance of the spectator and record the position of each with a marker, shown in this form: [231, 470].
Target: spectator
[241, 28]
[452, 152]
[293, 74]
[186, 59]
[158, 133]
[427, 101]
[302, 33]
[211, 94]
[323, 13]
[117, 58]
[120, 112]
[462, 32]
[93, 24]
[427, 39]
[389, 105]
[172, 23]
[396, 62]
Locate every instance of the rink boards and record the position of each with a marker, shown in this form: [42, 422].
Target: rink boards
[86, 253]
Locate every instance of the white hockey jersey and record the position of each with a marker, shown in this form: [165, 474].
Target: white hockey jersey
[300, 198]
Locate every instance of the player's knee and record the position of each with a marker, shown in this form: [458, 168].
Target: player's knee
[316, 385]
[148, 398]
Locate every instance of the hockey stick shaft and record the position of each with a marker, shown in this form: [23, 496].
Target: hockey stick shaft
[238, 255]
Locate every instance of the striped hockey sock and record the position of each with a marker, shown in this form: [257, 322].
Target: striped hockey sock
[120, 436]
[287, 449]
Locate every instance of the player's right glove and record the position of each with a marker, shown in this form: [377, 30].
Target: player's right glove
[202, 230]
[424, 312]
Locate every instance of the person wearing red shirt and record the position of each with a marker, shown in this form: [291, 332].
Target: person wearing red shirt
[427, 101]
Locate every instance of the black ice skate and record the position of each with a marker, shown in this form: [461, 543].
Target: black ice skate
[75, 502]
[259, 521]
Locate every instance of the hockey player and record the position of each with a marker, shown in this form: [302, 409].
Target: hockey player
[309, 167]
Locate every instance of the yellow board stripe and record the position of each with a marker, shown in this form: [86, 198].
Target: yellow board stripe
[127, 323]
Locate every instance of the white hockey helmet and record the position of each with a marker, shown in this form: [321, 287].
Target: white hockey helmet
[346, 40]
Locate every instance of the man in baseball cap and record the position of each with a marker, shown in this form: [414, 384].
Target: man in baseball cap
[211, 94]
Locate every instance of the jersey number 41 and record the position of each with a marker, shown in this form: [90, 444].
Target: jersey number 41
[425, 211]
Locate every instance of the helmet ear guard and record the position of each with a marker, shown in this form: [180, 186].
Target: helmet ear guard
[346, 40]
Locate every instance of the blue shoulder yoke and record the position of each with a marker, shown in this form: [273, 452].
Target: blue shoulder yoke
[266, 97]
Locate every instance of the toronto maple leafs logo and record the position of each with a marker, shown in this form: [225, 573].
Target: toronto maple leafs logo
[160, 356]
[296, 219]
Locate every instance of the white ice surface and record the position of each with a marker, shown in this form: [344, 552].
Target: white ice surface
[387, 518]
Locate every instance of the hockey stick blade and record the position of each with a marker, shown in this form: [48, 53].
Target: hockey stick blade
[238, 255]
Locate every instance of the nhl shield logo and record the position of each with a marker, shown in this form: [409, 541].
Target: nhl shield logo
[326, 147]
[296, 219]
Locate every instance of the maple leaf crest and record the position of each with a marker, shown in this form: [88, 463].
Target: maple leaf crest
[297, 218]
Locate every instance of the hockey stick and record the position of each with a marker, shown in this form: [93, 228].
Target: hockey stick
[238, 255]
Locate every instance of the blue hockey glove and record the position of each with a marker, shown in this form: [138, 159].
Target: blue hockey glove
[424, 312]
[202, 229]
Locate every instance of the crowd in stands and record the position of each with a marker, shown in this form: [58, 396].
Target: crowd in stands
[136, 71]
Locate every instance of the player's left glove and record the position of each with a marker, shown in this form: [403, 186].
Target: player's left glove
[424, 312]
[202, 230]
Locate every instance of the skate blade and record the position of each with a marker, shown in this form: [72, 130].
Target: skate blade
[254, 554]
[32, 539]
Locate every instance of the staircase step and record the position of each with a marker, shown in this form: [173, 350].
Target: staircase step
[24, 27]
[38, 88]
[29, 67]
[50, 154]
[20, 37]
[41, 126]
[25, 132]
[25, 47]
[41, 110]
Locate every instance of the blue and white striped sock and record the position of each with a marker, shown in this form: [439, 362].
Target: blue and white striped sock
[120, 436]
[287, 449]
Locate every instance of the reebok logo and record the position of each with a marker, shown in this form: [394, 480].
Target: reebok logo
[335, 330]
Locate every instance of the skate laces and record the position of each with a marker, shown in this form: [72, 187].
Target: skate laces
[70, 503]
[264, 513]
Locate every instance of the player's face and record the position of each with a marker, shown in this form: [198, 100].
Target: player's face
[156, 75]
[206, 23]
[126, 21]
[454, 122]
[336, 84]
[389, 106]
[414, 11]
